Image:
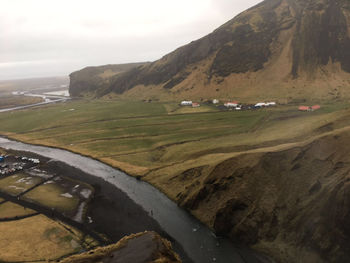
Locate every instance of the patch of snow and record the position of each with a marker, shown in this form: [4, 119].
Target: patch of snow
[68, 195]
[79, 215]
[26, 180]
[86, 193]
[40, 173]
[16, 187]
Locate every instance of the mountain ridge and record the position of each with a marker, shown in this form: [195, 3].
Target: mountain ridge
[272, 49]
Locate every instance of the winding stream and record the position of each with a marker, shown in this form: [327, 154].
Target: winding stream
[47, 99]
[197, 240]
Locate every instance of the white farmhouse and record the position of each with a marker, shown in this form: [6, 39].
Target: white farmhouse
[186, 103]
[260, 104]
[231, 104]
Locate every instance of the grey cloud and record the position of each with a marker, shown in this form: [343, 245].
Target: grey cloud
[55, 53]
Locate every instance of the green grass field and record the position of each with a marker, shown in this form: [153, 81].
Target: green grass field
[51, 195]
[18, 183]
[140, 137]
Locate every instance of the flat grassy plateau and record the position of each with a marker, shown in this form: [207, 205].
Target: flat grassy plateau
[141, 138]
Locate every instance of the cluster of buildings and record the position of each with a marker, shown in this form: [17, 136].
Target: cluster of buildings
[10, 165]
[231, 104]
[237, 106]
[190, 103]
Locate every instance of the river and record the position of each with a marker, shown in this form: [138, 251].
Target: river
[47, 99]
[197, 240]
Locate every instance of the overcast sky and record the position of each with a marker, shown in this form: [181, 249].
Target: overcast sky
[42, 38]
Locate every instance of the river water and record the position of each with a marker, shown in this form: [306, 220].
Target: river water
[197, 240]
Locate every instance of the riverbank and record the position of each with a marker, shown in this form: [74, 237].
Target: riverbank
[196, 239]
[111, 214]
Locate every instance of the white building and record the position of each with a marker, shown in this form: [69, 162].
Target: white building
[186, 103]
[231, 104]
[260, 104]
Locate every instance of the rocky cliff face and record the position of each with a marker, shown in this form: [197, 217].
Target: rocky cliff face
[91, 80]
[292, 204]
[276, 46]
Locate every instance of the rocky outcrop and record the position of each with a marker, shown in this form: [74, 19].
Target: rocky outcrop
[92, 80]
[145, 247]
[291, 204]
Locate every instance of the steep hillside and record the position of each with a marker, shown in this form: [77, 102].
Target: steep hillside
[291, 203]
[283, 49]
[91, 79]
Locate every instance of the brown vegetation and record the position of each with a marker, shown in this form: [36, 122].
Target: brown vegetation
[147, 247]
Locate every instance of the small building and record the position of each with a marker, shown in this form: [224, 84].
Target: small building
[304, 108]
[260, 104]
[231, 104]
[195, 105]
[186, 103]
[315, 107]
[215, 101]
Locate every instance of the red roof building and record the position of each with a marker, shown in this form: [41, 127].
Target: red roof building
[195, 105]
[304, 108]
[316, 107]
